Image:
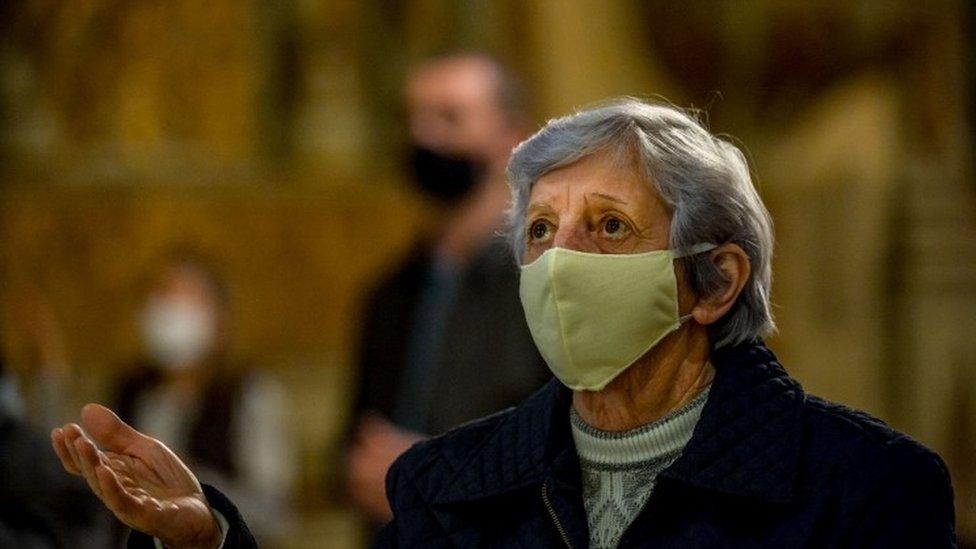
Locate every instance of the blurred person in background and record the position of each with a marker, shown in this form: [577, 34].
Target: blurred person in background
[38, 394]
[230, 422]
[11, 402]
[41, 507]
[444, 339]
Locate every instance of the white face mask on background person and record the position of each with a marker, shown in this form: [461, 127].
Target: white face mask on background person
[593, 315]
[177, 333]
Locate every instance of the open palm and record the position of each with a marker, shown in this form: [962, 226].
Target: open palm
[138, 478]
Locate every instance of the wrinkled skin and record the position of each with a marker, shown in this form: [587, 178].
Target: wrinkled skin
[138, 478]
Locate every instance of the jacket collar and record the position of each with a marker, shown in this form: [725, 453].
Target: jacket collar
[517, 453]
[746, 442]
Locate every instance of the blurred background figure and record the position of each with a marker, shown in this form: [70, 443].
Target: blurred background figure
[37, 392]
[444, 339]
[41, 507]
[227, 420]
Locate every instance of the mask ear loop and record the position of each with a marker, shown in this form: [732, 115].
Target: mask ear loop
[685, 252]
[694, 249]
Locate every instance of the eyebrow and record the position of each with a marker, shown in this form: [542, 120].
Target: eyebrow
[611, 198]
[538, 206]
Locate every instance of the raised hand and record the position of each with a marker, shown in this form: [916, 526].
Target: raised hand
[138, 478]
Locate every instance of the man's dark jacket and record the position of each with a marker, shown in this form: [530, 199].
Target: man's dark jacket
[486, 360]
[767, 466]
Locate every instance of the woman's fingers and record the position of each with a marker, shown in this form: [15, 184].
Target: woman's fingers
[88, 461]
[61, 449]
[71, 433]
[125, 492]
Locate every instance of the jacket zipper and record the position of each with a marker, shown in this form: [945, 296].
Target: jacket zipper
[555, 519]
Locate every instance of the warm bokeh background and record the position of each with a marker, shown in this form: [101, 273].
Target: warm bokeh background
[268, 134]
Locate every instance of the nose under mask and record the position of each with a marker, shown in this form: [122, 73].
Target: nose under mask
[593, 315]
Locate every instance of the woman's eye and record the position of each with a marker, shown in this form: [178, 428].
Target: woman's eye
[615, 228]
[539, 230]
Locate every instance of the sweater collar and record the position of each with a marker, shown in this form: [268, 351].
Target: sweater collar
[746, 442]
[666, 436]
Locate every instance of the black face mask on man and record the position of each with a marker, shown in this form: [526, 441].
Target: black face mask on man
[448, 178]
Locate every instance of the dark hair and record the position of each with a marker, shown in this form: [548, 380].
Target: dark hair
[192, 259]
[511, 94]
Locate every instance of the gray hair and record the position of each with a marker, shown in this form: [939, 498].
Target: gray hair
[703, 179]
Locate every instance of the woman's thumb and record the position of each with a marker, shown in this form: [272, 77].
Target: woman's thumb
[110, 432]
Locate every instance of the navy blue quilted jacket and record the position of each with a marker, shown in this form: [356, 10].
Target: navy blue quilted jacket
[767, 466]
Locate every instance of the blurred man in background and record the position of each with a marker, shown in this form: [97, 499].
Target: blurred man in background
[228, 421]
[444, 338]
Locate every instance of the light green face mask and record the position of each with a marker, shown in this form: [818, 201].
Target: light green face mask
[593, 315]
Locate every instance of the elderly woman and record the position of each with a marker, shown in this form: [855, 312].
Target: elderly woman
[645, 257]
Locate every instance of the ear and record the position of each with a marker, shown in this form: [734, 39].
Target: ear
[733, 262]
